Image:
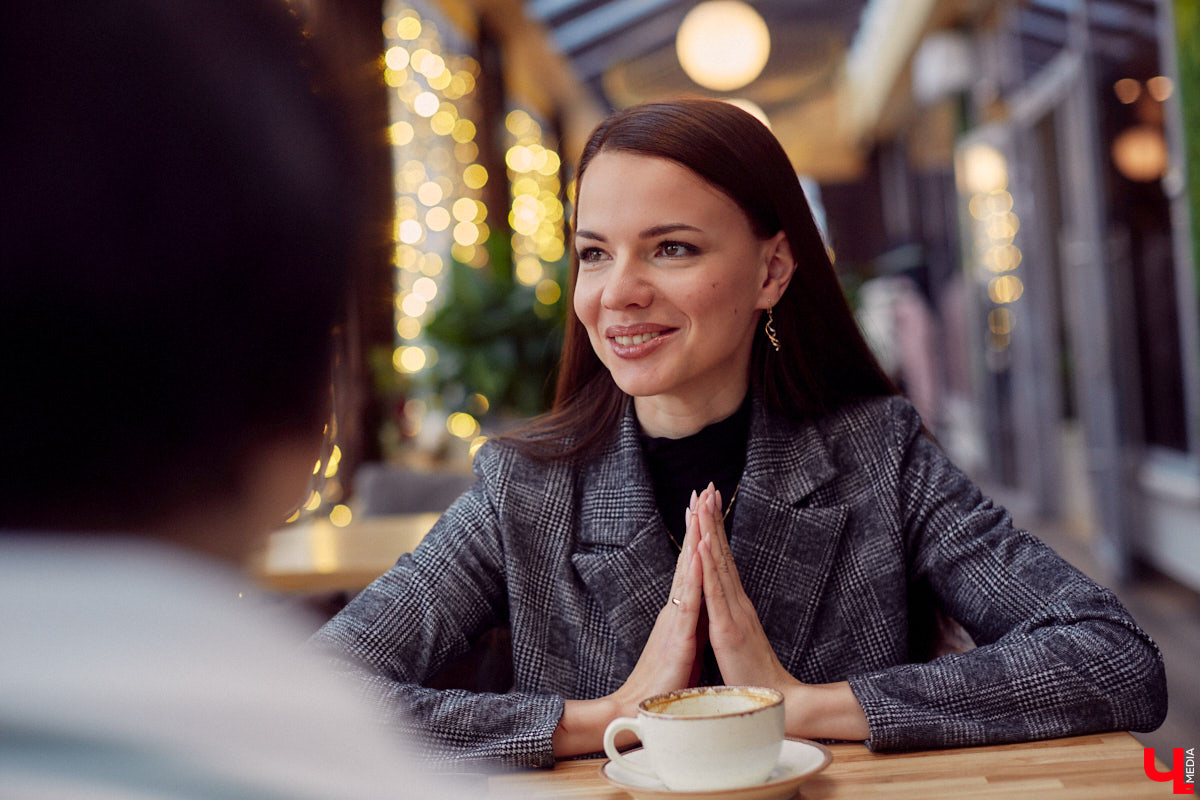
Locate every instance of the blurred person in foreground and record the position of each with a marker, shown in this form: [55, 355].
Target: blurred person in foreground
[729, 490]
[181, 204]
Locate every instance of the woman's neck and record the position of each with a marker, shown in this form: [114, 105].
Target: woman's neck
[673, 417]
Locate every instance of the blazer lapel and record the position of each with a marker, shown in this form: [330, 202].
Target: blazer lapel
[624, 556]
[783, 537]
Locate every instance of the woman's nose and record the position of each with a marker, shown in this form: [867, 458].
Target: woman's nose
[626, 285]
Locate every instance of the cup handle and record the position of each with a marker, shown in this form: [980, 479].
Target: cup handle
[610, 747]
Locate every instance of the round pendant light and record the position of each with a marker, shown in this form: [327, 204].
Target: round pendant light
[723, 44]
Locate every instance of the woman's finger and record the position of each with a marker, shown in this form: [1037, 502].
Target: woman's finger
[720, 543]
[691, 594]
[687, 552]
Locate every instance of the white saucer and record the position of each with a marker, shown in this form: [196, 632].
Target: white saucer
[799, 760]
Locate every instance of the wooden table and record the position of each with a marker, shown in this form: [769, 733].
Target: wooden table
[1078, 768]
[318, 556]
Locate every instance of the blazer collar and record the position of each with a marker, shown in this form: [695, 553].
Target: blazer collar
[783, 540]
[785, 461]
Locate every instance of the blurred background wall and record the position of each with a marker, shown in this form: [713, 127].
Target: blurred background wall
[1010, 190]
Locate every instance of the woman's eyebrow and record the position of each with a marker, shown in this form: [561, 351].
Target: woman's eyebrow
[649, 233]
[671, 227]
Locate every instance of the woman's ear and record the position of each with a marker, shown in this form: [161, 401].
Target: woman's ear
[780, 266]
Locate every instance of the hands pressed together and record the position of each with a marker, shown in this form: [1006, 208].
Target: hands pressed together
[706, 578]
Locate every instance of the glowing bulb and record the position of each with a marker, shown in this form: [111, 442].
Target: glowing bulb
[396, 58]
[462, 425]
[475, 176]
[529, 271]
[464, 209]
[518, 122]
[408, 327]
[1160, 87]
[723, 44]
[1127, 90]
[408, 28]
[414, 305]
[464, 131]
[1140, 153]
[442, 123]
[438, 219]
[410, 231]
[429, 193]
[982, 169]
[335, 458]
[409, 359]
[425, 104]
[519, 158]
[466, 233]
[432, 264]
[548, 292]
[400, 133]
[425, 288]
[340, 515]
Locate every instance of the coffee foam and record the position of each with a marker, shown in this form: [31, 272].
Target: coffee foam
[710, 702]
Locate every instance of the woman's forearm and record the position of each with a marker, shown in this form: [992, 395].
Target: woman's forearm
[824, 711]
[581, 729]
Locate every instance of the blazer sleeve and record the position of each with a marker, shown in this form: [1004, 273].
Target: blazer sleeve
[419, 616]
[1057, 654]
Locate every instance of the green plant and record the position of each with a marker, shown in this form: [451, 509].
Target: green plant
[494, 337]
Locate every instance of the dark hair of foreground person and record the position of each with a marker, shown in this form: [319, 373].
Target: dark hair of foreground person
[180, 206]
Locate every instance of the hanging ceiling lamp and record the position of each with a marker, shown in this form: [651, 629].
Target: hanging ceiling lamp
[723, 44]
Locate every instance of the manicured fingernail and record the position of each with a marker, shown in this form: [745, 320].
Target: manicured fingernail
[711, 487]
[719, 503]
[692, 505]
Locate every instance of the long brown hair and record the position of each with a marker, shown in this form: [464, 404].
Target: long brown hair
[823, 361]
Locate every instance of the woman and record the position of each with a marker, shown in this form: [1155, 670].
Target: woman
[728, 490]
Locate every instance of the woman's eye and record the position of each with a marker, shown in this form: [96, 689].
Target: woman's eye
[588, 254]
[676, 249]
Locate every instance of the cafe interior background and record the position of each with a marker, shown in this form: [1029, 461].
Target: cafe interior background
[1010, 191]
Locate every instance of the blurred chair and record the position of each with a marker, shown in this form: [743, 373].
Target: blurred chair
[382, 489]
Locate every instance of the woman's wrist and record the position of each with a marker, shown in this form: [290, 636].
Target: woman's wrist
[824, 711]
[581, 728]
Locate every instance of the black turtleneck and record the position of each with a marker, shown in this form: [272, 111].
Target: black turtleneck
[678, 467]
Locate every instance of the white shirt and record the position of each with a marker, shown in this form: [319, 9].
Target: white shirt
[132, 669]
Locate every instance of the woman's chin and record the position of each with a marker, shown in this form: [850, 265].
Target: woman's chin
[639, 386]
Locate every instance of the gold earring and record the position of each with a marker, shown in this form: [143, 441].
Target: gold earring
[770, 330]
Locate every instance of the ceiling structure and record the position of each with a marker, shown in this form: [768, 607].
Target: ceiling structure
[839, 76]
[637, 37]
[623, 52]
[578, 59]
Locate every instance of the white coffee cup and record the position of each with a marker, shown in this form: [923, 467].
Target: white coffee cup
[707, 737]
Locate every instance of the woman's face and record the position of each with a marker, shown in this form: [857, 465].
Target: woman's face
[672, 281]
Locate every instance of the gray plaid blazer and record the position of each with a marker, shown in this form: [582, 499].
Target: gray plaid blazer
[839, 528]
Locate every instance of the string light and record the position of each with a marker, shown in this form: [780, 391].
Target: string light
[982, 173]
[535, 212]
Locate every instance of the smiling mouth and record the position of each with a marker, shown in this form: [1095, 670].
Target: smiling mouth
[637, 338]
[640, 344]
